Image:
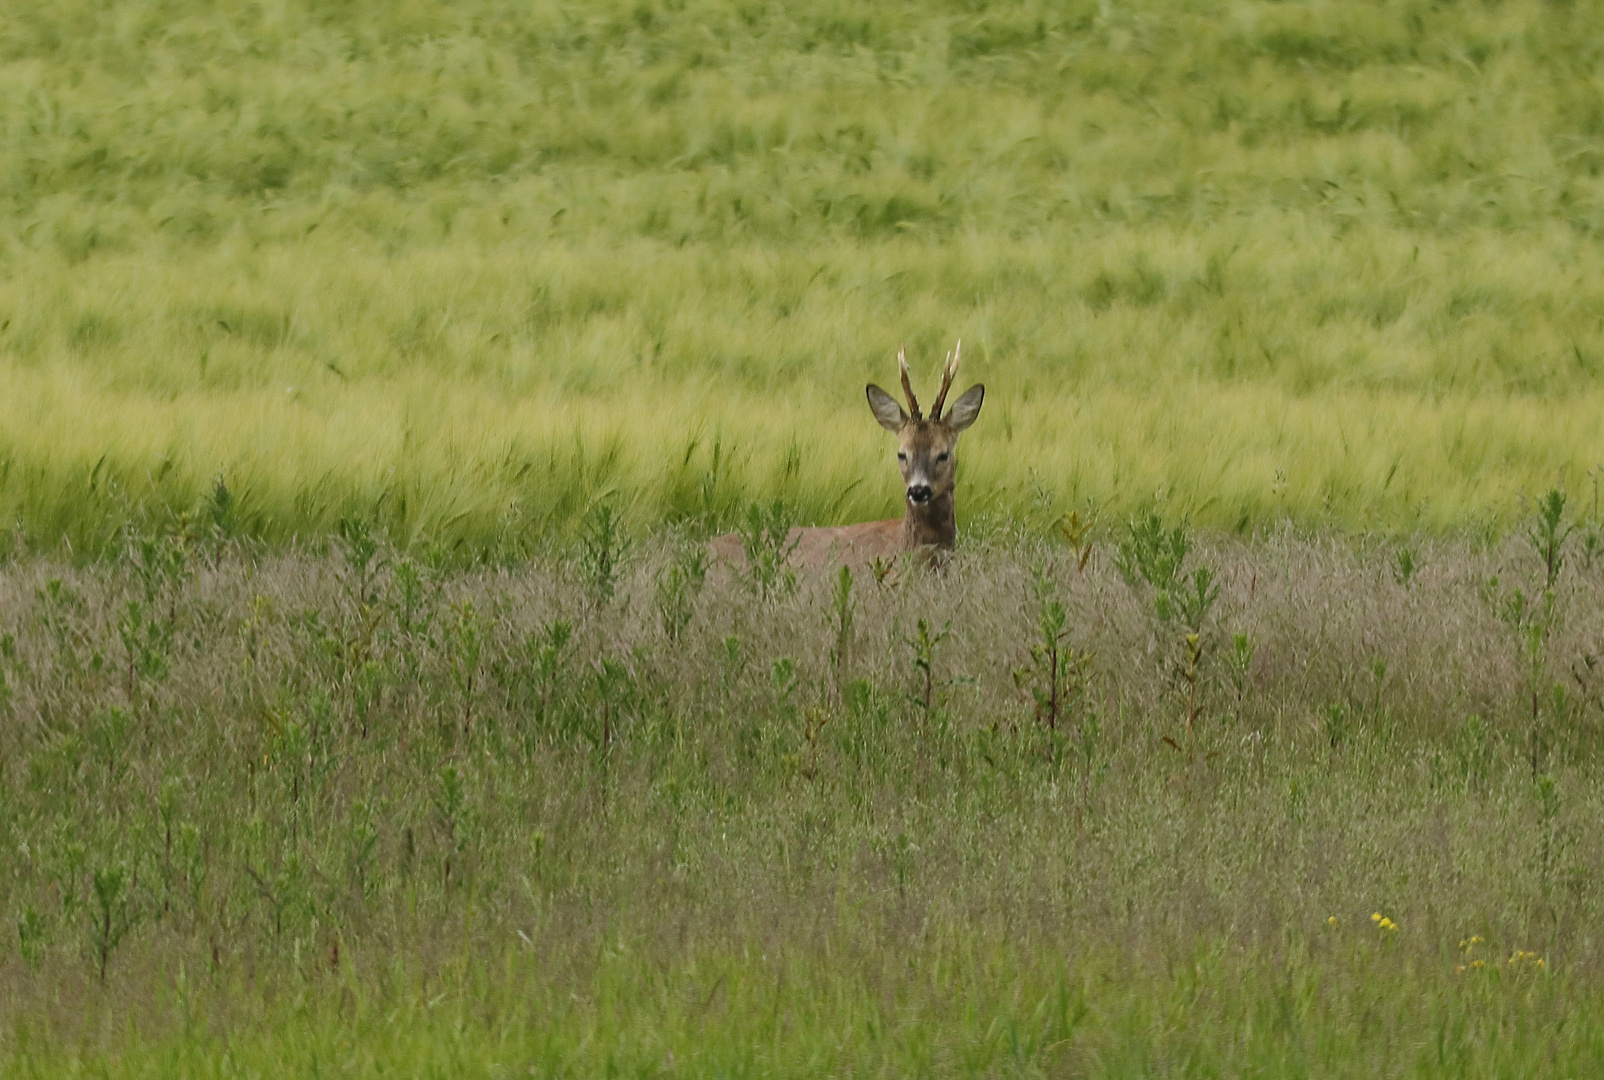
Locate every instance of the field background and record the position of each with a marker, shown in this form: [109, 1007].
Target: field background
[410, 276]
[470, 267]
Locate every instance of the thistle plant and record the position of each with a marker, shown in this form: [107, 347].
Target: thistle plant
[884, 572]
[289, 748]
[1589, 528]
[146, 640]
[813, 724]
[363, 557]
[59, 608]
[1195, 602]
[841, 612]
[765, 533]
[542, 661]
[1592, 541]
[1192, 599]
[611, 689]
[111, 917]
[108, 738]
[1549, 533]
[218, 509]
[679, 583]
[1057, 673]
[549, 658]
[464, 643]
[1077, 532]
[1189, 676]
[147, 622]
[411, 601]
[448, 797]
[923, 645]
[1532, 622]
[1551, 841]
[1152, 553]
[602, 549]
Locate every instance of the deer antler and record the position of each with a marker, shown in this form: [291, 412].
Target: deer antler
[907, 387]
[947, 375]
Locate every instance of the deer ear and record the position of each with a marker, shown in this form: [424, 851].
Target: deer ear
[966, 408]
[885, 408]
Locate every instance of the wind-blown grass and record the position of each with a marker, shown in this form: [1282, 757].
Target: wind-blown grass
[470, 267]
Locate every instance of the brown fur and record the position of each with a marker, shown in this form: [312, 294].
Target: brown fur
[927, 455]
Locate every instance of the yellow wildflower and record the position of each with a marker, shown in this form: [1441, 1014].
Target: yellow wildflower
[1331, 921]
[1375, 916]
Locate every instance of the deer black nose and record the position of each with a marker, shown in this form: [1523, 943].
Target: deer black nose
[919, 493]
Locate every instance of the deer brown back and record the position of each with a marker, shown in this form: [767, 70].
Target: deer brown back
[927, 456]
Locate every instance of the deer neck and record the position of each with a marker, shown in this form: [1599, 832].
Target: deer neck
[935, 524]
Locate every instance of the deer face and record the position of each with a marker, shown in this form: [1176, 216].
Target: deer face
[927, 456]
[927, 449]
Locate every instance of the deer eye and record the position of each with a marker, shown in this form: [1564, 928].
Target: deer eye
[941, 456]
[901, 456]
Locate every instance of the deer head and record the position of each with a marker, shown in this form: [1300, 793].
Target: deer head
[927, 447]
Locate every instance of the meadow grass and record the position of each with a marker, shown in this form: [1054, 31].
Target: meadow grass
[377, 284]
[470, 268]
[269, 812]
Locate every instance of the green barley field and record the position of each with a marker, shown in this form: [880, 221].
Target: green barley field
[468, 268]
[371, 374]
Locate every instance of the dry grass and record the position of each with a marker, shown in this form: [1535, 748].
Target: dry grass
[716, 846]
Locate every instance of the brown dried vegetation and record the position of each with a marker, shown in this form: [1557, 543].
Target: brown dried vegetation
[338, 759]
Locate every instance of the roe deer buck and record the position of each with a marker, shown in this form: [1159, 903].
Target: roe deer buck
[927, 454]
